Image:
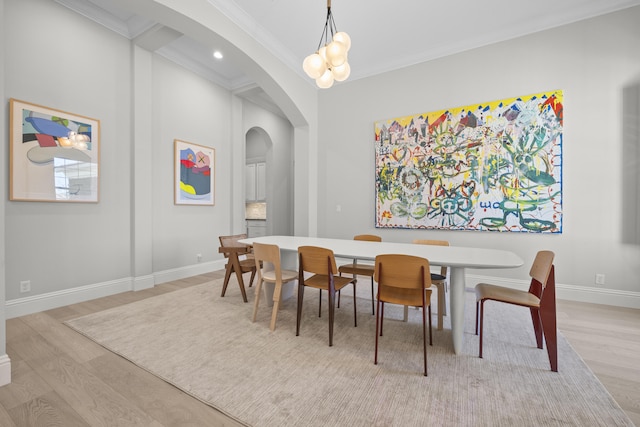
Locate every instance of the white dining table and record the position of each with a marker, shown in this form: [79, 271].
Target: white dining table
[457, 258]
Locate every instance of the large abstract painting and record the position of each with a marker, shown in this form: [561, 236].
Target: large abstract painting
[55, 155]
[495, 166]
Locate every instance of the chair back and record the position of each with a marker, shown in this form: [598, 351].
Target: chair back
[431, 242]
[443, 269]
[316, 260]
[402, 279]
[368, 237]
[541, 268]
[269, 256]
[226, 241]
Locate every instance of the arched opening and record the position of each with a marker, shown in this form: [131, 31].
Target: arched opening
[268, 184]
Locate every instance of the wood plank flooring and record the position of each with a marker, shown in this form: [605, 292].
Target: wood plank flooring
[61, 378]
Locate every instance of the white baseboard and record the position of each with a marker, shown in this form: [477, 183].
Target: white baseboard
[568, 292]
[143, 282]
[36, 303]
[5, 370]
[192, 270]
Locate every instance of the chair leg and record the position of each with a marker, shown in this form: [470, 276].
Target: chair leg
[332, 312]
[227, 276]
[441, 305]
[444, 297]
[424, 334]
[253, 275]
[373, 303]
[481, 327]
[257, 300]
[320, 303]
[406, 314]
[299, 311]
[548, 317]
[537, 325]
[355, 312]
[378, 327]
[430, 335]
[477, 308]
[339, 274]
[277, 296]
[381, 311]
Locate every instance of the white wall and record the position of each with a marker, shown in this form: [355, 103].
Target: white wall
[58, 59]
[192, 109]
[592, 61]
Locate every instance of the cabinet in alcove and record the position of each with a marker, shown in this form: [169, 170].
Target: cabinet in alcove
[255, 181]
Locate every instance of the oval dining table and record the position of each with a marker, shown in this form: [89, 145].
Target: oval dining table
[457, 258]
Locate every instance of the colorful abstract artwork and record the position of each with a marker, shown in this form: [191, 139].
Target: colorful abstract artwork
[495, 166]
[193, 174]
[55, 155]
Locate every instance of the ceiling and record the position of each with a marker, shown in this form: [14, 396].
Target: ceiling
[385, 35]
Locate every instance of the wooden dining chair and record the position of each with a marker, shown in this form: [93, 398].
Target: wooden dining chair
[540, 299]
[356, 268]
[267, 263]
[321, 264]
[404, 280]
[439, 280]
[240, 261]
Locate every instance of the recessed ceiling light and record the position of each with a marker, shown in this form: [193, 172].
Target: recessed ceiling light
[217, 54]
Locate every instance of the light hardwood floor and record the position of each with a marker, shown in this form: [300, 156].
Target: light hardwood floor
[61, 378]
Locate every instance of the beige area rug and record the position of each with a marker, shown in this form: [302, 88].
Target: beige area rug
[208, 347]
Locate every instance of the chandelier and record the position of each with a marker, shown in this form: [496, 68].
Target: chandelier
[329, 62]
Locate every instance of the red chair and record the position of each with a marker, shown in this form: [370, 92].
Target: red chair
[540, 299]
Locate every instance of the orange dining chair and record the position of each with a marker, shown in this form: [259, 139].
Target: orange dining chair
[438, 280]
[404, 280]
[321, 264]
[540, 299]
[240, 261]
[361, 269]
[267, 263]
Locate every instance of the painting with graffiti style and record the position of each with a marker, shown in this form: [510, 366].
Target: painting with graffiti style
[495, 166]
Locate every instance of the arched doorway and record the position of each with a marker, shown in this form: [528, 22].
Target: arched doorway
[268, 183]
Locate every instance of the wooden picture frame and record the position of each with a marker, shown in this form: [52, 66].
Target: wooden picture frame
[54, 155]
[194, 174]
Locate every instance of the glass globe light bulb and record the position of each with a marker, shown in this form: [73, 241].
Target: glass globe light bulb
[325, 81]
[314, 66]
[336, 53]
[343, 38]
[323, 53]
[342, 72]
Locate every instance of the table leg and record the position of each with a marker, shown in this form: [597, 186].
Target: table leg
[457, 292]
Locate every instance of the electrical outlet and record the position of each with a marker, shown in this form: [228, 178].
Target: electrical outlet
[25, 286]
[599, 279]
[199, 257]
